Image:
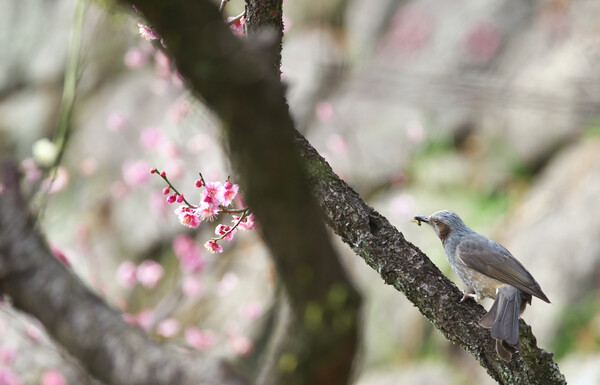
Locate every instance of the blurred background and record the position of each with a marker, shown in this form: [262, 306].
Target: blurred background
[488, 108]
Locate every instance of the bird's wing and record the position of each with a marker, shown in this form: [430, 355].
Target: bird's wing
[492, 259]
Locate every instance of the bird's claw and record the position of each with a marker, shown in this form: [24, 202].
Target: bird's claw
[467, 295]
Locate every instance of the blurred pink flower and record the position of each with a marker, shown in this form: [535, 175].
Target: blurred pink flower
[200, 339]
[33, 173]
[9, 377]
[189, 254]
[175, 168]
[179, 110]
[135, 58]
[325, 111]
[191, 287]
[117, 121]
[415, 133]
[410, 28]
[136, 173]
[162, 64]
[149, 273]
[228, 283]
[252, 310]
[168, 328]
[482, 41]
[58, 183]
[33, 333]
[8, 355]
[126, 274]
[198, 143]
[404, 206]
[157, 203]
[119, 190]
[144, 319]
[241, 345]
[337, 144]
[151, 138]
[53, 377]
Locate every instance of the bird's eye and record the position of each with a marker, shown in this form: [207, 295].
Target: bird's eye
[436, 221]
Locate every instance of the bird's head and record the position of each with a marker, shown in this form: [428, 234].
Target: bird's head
[443, 223]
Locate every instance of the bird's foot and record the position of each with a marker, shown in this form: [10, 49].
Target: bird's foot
[467, 295]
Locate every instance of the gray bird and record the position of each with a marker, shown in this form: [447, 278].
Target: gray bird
[489, 271]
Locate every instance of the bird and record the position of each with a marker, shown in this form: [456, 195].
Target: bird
[490, 271]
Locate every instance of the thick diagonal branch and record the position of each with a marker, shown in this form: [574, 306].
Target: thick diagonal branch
[92, 331]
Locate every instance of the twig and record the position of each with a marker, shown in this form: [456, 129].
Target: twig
[164, 176]
[222, 6]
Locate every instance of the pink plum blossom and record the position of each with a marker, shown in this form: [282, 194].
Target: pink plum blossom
[147, 32]
[237, 27]
[228, 193]
[53, 377]
[126, 274]
[209, 207]
[188, 216]
[189, 254]
[221, 230]
[213, 189]
[213, 246]
[247, 223]
[200, 339]
[168, 328]
[149, 273]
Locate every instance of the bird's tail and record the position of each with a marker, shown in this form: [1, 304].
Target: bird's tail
[503, 320]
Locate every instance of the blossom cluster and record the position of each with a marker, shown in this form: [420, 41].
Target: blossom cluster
[215, 198]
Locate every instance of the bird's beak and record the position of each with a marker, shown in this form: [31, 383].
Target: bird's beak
[422, 219]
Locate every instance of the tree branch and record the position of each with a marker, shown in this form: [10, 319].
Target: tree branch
[402, 265]
[109, 349]
[244, 89]
[254, 102]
